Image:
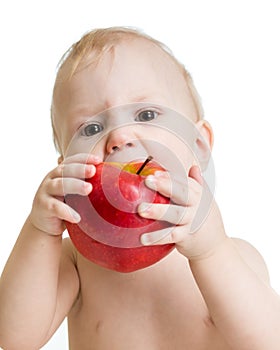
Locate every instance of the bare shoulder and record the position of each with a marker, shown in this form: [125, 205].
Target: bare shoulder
[253, 258]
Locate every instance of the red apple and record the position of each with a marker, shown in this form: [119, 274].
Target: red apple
[110, 227]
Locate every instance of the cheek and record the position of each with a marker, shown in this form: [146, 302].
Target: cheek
[183, 145]
[169, 149]
[183, 150]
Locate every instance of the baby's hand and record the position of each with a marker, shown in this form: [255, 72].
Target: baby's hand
[49, 210]
[198, 227]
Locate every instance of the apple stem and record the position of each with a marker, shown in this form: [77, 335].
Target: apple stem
[144, 164]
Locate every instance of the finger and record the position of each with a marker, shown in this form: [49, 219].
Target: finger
[83, 158]
[62, 211]
[62, 186]
[165, 236]
[76, 170]
[174, 214]
[180, 191]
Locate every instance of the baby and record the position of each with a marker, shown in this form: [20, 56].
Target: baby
[111, 97]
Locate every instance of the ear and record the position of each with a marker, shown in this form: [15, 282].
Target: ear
[203, 143]
[60, 160]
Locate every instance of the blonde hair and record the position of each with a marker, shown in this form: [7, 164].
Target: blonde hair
[103, 40]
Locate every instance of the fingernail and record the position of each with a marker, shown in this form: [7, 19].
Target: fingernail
[88, 188]
[93, 159]
[159, 173]
[90, 170]
[145, 239]
[150, 182]
[143, 209]
[75, 216]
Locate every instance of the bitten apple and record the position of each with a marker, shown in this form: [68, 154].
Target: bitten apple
[110, 227]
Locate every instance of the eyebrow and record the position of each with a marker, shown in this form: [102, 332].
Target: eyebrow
[84, 112]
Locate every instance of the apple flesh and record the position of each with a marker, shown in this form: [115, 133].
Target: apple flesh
[110, 228]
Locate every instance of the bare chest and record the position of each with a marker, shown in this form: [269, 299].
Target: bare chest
[125, 315]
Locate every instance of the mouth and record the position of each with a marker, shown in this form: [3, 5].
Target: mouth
[140, 166]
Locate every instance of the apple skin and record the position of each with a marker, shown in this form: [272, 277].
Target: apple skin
[110, 227]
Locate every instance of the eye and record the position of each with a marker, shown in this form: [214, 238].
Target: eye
[146, 116]
[91, 129]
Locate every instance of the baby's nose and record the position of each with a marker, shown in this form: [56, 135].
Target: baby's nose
[118, 148]
[119, 140]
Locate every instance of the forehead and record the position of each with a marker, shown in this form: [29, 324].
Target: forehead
[128, 65]
[131, 71]
[137, 48]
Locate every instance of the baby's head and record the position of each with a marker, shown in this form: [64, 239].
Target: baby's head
[124, 72]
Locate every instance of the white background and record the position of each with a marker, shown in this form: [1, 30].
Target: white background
[231, 49]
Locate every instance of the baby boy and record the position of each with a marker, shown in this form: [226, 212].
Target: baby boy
[211, 292]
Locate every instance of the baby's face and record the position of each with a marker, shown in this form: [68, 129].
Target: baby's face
[135, 102]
